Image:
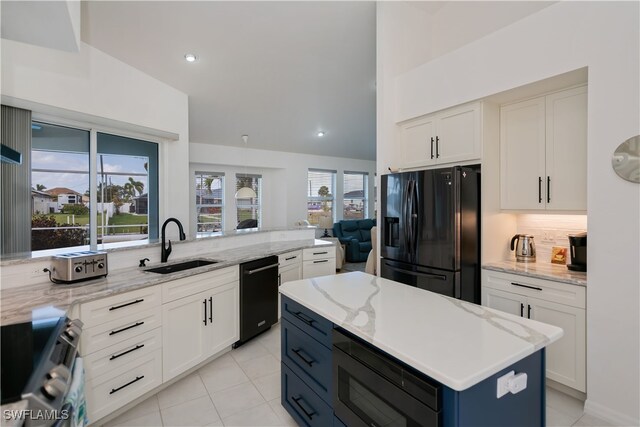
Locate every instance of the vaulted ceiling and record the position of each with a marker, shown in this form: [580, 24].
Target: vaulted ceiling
[277, 71]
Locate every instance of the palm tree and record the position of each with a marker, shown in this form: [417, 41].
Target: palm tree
[40, 187]
[136, 185]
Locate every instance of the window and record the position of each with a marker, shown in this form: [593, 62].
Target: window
[209, 202]
[320, 197]
[355, 195]
[126, 189]
[248, 209]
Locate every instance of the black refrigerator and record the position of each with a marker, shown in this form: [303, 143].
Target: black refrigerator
[430, 235]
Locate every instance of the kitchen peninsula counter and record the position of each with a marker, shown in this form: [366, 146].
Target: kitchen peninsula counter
[21, 304]
[540, 270]
[456, 343]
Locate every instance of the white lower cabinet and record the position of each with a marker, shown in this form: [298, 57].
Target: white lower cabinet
[197, 326]
[318, 262]
[555, 303]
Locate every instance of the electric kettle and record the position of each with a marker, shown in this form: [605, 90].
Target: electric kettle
[525, 247]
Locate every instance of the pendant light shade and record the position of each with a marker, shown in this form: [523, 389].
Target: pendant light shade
[246, 193]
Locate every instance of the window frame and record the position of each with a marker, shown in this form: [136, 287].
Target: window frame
[220, 175]
[365, 192]
[257, 205]
[332, 192]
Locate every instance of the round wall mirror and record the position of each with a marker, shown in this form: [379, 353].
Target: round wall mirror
[626, 159]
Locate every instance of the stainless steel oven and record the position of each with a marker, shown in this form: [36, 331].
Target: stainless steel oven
[372, 389]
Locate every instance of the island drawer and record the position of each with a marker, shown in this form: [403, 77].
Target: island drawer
[290, 258]
[122, 354]
[98, 312]
[197, 283]
[305, 406]
[309, 359]
[323, 252]
[119, 330]
[313, 324]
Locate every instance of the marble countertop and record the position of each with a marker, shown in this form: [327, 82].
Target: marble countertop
[454, 342]
[540, 270]
[25, 303]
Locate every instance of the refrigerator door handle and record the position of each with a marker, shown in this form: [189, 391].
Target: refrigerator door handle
[415, 214]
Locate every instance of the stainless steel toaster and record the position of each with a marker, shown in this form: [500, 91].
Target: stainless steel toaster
[76, 266]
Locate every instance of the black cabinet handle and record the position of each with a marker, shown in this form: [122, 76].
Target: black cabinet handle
[204, 302]
[529, 311]
[548, 189]
[291, 257]
[127, 328]
[300, 315]
[539, 189]
[210, 309]
[432, 147]
[437, 147]
[322, 260]
[304, 359]
[279, 279]
[320, 253]
[115, 356]
[138, 301]
[297, 400]
[521, 309]
[526, 286]
[113, 390]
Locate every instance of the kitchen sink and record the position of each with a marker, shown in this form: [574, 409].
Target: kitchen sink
[181, 266]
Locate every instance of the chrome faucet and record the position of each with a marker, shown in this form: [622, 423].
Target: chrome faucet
[166, 251]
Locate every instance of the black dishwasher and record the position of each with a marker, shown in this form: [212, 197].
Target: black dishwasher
[258, 297]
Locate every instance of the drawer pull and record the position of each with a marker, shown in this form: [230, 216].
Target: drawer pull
[115, 356]
[297, 400]
[126, 305]
[291, 257]
[322, 260]
[526, 286]
[304, 359]
[127, 328]
[320, 253]
[113, 390]
[306, 319]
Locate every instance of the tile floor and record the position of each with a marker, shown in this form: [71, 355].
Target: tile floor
[242, 388]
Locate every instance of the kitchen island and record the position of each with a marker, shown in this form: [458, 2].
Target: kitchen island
[453, 352]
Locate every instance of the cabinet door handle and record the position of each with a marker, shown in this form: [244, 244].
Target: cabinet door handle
[115, 356]
[204, 302]
[521, 309]
[529, 311]
[526, 286]
[126, 328]
[113, 390]
[300, 315]
[126, 305]
[291, 257]
[539, 189]
[432, 147]
[548, 189]
[297, 400]
[210, 309]
[320, 253]
[437, 147]
[297, 351]
[322, 260]
[279, 279]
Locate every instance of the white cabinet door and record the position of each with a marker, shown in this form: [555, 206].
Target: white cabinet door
[566, 149]
[224, 328]
[289, 274]
[417, 142]
[503, 301]
[458, 134]
[565, 358]
[316, 268]
[522, 155]
[185, 342]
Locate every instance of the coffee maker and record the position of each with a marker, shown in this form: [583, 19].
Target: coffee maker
[578, 249]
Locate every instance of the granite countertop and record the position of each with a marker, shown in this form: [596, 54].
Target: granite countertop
[22, 304]
[540, 270]
[454, 342]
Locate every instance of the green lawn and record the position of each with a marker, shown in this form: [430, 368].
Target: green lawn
[122, 219]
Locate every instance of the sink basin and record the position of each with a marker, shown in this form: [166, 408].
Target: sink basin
[181, 266]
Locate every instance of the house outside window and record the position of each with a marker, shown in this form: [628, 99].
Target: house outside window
[249, 210]
[355, 195]
[320, 194]
[126, 189]
[209, 202]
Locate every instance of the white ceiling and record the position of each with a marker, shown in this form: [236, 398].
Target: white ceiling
[277, 71]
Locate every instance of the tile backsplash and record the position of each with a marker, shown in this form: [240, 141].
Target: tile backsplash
[549, 231]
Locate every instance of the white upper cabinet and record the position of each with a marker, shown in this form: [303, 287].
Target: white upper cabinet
[451, 136]
[543, 152]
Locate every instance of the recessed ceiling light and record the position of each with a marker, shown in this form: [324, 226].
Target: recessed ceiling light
[320, 134]
[190, 57]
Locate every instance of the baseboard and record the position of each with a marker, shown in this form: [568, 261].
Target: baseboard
[609, 415]
[566, 390]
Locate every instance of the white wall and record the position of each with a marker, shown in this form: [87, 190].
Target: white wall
[92, 83]
[603, 36]
[284, 178]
